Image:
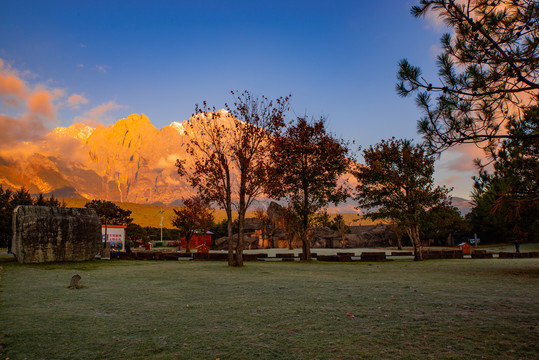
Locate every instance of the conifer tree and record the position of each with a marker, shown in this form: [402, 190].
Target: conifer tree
[506, 200]
[488, 72]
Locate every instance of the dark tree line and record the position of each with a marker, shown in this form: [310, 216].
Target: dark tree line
[9, 200]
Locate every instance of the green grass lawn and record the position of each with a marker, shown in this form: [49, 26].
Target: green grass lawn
[439, 309]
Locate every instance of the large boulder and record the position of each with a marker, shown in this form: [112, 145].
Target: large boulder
[45, 234]
[324, 237]
[377, 235]
[250, 241]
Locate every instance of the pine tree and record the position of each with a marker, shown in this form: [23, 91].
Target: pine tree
[488, 72]
[506, 201]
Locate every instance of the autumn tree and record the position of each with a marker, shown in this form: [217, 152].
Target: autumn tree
[194, 216]
[396, 183]
[233, 143]
[258, 119]
[506, 200]
[307, 165]
[210, 162]
[488, 72]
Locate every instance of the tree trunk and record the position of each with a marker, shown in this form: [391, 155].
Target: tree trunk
[228, 207]
[413, 233]
[239, 247]
[399, 242]
[305, 247]
[241, 217]
[231, 260]
[291, 237]
[305, 243]
[188, 242]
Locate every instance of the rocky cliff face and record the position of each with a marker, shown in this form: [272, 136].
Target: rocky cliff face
[129, 161]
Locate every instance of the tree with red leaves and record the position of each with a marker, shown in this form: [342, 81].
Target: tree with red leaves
[194, 216]
[307, 164]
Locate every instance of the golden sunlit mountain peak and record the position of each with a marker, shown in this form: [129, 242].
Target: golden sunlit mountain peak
[131, 160]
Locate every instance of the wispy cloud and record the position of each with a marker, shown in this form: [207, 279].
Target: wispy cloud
[461, 159]
[452, 179]
[434, 51]
[76, 100]
[102, 68]
[99, 114]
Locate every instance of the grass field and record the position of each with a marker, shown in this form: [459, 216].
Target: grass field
[440, 309]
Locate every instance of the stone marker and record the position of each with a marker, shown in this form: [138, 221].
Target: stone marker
[105, 252]
[45, 234]
[74, 281]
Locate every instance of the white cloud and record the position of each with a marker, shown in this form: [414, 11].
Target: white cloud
[102, 68]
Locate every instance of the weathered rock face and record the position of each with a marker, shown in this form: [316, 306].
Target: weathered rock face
[45, 234]
[369, 236]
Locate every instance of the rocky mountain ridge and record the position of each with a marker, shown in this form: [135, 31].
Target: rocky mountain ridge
[129, 161]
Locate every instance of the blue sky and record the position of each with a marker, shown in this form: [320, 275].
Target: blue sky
[109, 59]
